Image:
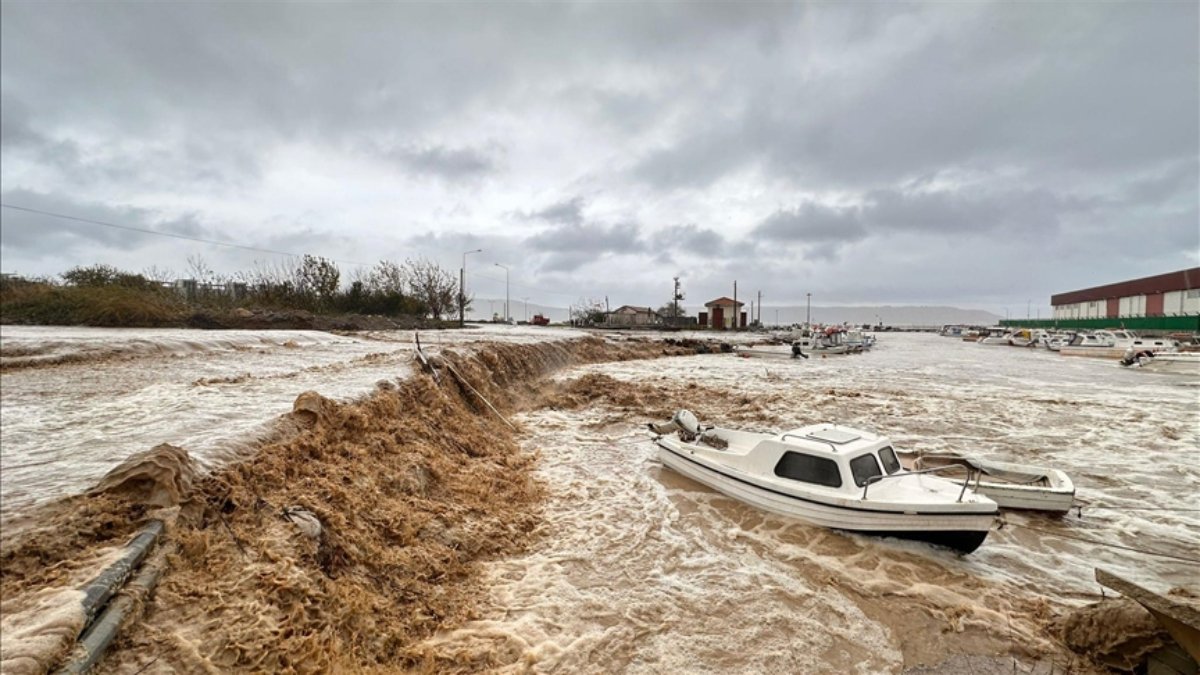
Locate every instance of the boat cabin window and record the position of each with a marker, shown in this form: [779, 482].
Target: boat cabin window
[864, 467]
[809, 469]
[888, 457]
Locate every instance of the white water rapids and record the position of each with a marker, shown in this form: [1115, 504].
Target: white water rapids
[639, 569]
[75, 402]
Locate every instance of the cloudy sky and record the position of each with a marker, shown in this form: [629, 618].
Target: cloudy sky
[970, 153]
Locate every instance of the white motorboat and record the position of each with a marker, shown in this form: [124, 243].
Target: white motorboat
[1012, 486]
[1023, 338]
[1184, 363]
[1055, 341]
[1104, 344]
[831, 476]
[832, 340]
[996, 336]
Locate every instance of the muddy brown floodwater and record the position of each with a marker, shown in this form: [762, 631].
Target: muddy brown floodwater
[450, 543]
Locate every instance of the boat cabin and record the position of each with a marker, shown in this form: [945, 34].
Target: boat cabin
[822, 455]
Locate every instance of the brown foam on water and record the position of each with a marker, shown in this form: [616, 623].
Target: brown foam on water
[1116, 632]
[160, 476]
[413, 486]
[39, 628]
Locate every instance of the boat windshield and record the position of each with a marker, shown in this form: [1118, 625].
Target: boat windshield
[864, 467]
[888, 457]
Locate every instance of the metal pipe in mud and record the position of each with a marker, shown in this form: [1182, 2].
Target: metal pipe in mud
[100, 634]
[101, 589]
[486, 402]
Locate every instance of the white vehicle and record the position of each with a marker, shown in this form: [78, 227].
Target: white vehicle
[831, 476]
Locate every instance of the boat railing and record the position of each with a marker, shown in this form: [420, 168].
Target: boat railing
[809, 438]
[971, 473]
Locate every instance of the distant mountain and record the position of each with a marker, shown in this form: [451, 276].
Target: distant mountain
[889, 315]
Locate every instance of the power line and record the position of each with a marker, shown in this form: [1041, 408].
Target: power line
[244, 247]
[172, 235]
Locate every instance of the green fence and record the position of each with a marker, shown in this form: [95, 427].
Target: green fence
[1168, 324]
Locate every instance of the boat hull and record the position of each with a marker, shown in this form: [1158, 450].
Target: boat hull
[1027, 498]
[963, 532]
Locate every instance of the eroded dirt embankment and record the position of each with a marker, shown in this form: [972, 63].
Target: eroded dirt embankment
[411, 487]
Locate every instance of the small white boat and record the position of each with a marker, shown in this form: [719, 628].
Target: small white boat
[1056, 341]
[831, 476]
[1012, 486]
[1102, 344]
[996, 336]
[1183, 363]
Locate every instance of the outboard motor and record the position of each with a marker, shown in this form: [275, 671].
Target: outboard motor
[688, 423]
[796, 351]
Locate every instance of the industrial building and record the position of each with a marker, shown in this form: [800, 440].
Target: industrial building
[1172, 294]
[1166, 302]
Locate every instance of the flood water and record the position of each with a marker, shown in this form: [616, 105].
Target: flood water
[75, 402]
[642, 570]
[652, 572]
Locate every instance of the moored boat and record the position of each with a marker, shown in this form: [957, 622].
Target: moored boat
[1102, 344]
[829, 475]
[996, 336]
[1011, 486]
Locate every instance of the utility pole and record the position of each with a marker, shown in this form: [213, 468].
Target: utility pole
[808, 309]
[526, 301]
[462, 287]
[507, 316]
[759, 319]
[736, 313]
[675, 297]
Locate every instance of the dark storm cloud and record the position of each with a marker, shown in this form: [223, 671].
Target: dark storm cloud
[453, 164]
[569, 212]
[811, 223]
[37, 235]
[690, 239]
[1002, 85]
[770, 129]
[594, 238]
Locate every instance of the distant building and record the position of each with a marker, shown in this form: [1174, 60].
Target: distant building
[1172, 294]
[628, 315]
[721, 314]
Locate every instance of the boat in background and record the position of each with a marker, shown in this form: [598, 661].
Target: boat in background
[996, 336]
[828, 475]
[1184, 363]
[1103, 344]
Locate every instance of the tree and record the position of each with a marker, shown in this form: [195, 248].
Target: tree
[103, 275]
[587, 311]
[435, 287]
[317, 279]
[386, 277]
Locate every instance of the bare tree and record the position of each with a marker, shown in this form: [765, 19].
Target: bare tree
[435, 287]
[387, 277]
[588, 311]
[199, 269]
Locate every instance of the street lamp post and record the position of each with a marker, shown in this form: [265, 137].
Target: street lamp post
[507, 316]
[808, 309]
[462, 288]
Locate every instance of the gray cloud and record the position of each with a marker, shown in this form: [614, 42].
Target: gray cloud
[454, 164]
[992, 140]
[596, 239]
[811, 223]
[569, 212]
